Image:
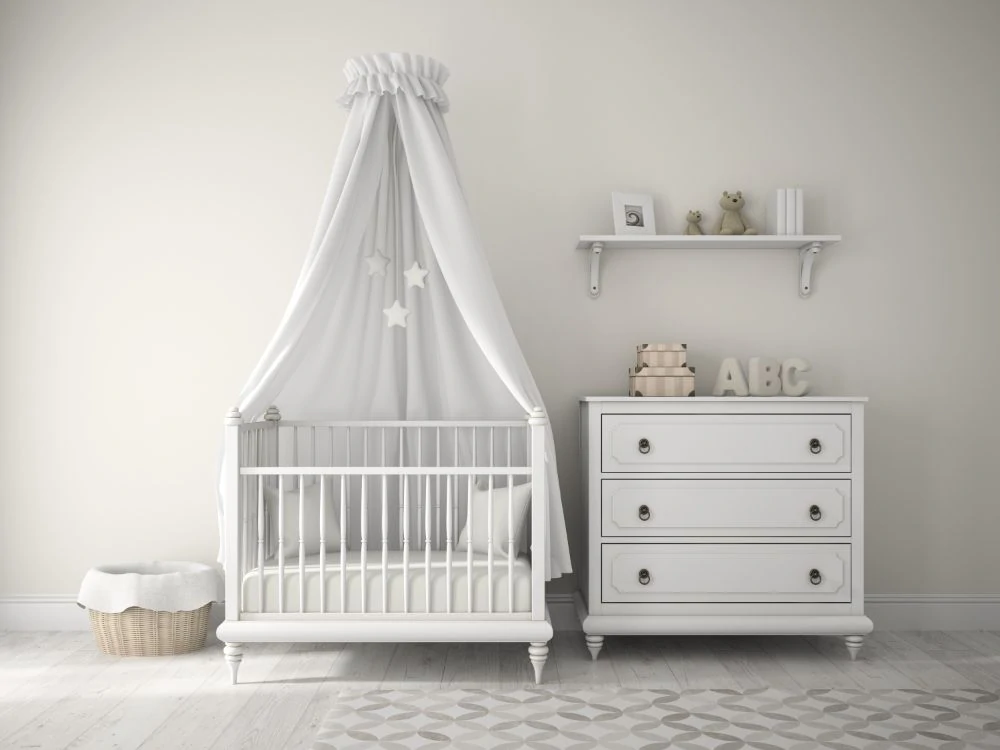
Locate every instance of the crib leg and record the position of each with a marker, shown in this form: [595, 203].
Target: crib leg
[234, 655]
[538, 653]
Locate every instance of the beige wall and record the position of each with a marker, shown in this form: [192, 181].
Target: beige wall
[161, 165]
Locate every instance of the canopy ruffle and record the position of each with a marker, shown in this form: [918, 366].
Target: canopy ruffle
[390, 73]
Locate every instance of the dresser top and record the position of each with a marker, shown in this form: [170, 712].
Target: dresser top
[724, 399]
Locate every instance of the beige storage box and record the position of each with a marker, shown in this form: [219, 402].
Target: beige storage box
[661, 348]
[658, 385]
[150, 609]
[664, 372]
[660, 359]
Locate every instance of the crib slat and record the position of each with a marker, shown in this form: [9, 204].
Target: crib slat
[302, 543]
[454, 462]
[281, 543]
[406, 545]
[343, 546]
[364, 529]
[468, 540]
[243, 459]
[448, 542]
[385, 534]
[427, 548]
[510, 530]
[420, 485]
[437, 489]
[402, 481]
[322, 544]
[489, 532]
[261, 460]
[260, 544]
[350, 480]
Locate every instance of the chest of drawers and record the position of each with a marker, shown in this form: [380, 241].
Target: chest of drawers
[723, 516]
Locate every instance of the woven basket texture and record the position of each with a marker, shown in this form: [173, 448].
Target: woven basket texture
[146, 632]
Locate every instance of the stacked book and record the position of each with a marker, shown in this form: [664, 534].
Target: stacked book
[789, 211]
[661, 370]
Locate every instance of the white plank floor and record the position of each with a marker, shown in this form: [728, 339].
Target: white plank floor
[58, 691]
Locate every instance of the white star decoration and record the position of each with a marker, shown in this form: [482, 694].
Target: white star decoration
[396, 314]
[376, 263]
[415, 276]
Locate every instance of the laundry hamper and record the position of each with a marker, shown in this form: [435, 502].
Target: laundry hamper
[150, 609]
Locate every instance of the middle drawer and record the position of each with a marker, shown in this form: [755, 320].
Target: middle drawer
[725, 507]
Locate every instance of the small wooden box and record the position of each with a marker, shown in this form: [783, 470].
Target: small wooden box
[659, 385]
[652, 358]
[661, 348]
[663, 372]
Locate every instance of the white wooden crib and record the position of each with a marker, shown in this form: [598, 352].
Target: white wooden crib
[350, 531]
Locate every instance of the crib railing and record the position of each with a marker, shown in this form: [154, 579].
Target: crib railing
[404, 487]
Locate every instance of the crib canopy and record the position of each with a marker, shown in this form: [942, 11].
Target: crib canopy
[395, 314]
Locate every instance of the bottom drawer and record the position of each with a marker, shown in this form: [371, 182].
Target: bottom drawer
[725, 573]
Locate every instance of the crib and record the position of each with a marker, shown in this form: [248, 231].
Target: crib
[393, 531]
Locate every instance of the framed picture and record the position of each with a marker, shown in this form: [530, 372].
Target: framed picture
[633, 213]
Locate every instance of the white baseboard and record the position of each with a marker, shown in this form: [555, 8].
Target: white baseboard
[41, 612]
[933, 612]
[888, 611]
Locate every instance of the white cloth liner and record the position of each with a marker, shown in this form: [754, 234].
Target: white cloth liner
[160, 586]
[395, 581]
[394, 189]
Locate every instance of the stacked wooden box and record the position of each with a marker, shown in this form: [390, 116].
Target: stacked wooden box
[661, 370]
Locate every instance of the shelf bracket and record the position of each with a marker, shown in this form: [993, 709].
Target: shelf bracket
[595, 269]
[807, 256]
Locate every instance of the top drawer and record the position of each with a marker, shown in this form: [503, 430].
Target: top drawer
[725, 443]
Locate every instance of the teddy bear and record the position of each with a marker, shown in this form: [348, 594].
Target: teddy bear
[693, 219]
[732, 222]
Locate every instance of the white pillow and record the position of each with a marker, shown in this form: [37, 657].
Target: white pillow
[311, 531]
[521, 494]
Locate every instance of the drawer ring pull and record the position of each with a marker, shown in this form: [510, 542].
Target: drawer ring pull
[815, 446]
[643, 512]
[815, 577]
[644, 446]
[815, 513]
[644, 577]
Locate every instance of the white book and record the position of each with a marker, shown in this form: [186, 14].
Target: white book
[780, 212]
[800, 212]
[790, 211]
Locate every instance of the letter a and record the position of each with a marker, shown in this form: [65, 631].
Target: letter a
[731, 378]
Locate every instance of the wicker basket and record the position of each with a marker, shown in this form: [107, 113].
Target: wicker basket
[145, 632]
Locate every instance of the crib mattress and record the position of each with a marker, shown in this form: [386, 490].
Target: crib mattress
[395, 584]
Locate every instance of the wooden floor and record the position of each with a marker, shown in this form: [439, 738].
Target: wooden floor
[58, 691]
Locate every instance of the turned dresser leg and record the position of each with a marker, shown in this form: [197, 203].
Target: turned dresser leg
[594, 645]
[233, 653]
[538, 652]
[854, 643]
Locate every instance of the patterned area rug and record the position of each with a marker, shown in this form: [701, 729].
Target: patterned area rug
[625, 719]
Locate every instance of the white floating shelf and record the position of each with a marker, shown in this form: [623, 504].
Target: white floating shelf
[808, 246]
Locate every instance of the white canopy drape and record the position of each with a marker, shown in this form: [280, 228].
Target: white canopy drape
[395, 196]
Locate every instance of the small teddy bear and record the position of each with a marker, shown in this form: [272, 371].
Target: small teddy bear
[693, 219]
[732, 221]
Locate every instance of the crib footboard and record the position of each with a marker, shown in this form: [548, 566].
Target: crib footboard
[402, 531]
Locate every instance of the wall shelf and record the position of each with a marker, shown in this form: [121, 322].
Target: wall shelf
[808, 246]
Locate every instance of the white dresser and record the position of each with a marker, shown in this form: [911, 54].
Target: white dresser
[723, 515]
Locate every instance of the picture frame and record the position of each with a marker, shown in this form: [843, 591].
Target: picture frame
[633, 213]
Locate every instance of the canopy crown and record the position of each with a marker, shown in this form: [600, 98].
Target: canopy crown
[389, 73]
